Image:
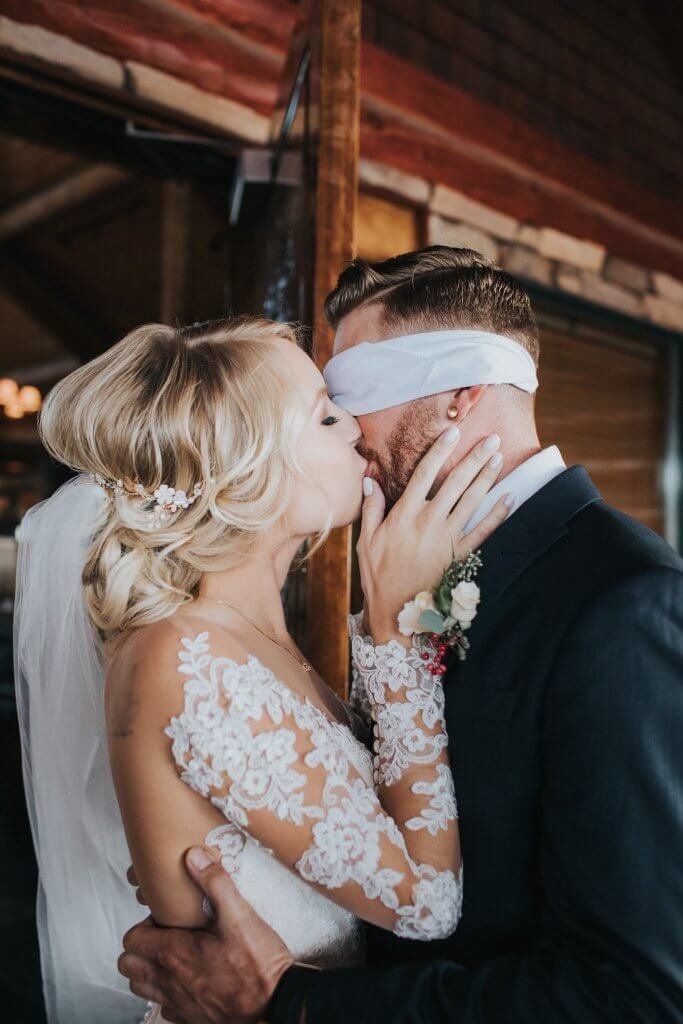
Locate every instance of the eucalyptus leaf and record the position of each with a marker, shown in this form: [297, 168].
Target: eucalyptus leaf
[432, 621]
[443, 598]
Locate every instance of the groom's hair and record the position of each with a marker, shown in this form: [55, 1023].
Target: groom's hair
[437, 288]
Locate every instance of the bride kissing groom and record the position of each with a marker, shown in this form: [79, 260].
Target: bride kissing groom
[508, 790]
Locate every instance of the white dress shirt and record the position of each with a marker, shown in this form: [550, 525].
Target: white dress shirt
[522, 483]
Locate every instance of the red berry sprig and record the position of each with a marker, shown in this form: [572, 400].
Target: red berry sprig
[436, 661]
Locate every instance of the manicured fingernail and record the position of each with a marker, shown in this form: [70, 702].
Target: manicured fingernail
[509, 500]
[495, 462]
[451, 435]
[367, 486]
[199, 858]
[491, 443]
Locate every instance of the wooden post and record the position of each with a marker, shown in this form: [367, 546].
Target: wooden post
[335, 67]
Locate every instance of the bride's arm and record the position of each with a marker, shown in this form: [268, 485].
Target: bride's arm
[302, 787]
[162, 816]
[271, 763]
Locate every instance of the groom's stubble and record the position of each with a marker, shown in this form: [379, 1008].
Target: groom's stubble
[408, 441]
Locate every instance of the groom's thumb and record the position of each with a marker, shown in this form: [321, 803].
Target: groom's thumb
[226, 903]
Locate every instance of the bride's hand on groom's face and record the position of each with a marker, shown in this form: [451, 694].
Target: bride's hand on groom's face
[408, 551]
[224, 974]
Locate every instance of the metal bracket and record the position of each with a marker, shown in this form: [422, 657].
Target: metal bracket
[133, 132]
[278, 165]
[275, 165]
[258, 167]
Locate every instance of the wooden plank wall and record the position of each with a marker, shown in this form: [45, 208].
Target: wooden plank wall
[604, 403]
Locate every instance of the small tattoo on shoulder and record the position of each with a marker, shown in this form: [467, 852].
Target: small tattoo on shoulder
[123, 718]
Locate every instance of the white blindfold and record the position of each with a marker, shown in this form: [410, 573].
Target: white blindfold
[379, 374]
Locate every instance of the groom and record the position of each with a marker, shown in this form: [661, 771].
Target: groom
[565, 723]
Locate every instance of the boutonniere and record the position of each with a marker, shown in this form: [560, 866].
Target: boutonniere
[439, 619]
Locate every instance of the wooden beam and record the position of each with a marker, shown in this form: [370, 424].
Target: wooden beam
[197, 52]
[259, 25]
[440, 110]
[336, 93]
[436, 131]
[411, 119]
[57, 198]
[34, 286]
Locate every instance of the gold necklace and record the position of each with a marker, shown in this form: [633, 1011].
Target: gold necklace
[304, 664]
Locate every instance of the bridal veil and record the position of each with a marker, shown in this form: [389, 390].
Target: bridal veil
[84, 903]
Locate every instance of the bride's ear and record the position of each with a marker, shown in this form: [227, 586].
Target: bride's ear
[462, 401]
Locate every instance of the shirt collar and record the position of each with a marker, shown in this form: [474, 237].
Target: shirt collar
[522, 483]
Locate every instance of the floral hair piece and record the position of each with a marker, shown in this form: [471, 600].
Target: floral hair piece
[167, 500]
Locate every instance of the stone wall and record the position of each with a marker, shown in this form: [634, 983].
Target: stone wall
[544, 255]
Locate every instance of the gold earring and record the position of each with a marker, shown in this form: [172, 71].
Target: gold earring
[452, 412]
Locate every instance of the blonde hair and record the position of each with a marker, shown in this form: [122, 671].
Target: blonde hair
[179, 406]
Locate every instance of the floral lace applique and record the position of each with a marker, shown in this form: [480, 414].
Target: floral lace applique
[442, 807]
[407, 706]
[251, 744]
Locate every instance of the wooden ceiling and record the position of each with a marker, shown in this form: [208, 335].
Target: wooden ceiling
[85, 234]
[74, 236]
[27, 167]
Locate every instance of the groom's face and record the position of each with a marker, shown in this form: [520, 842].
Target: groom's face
[394, 439]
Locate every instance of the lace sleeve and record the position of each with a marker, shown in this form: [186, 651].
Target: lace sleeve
[302, 786]
[410, 763]
[358, 697]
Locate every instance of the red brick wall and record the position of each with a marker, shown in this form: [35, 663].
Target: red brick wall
[596, 75]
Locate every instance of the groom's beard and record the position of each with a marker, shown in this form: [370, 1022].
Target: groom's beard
[410, 439]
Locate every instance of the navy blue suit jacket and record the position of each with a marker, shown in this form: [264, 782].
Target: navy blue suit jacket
[565, 728]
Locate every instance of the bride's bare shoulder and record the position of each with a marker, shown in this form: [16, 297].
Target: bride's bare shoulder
[143, 685]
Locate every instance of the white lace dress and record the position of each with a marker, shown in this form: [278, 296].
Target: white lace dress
[320, 832]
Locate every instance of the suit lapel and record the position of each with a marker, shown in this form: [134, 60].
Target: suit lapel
[531, 531]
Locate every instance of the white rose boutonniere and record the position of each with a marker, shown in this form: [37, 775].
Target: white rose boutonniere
[439, 619]
[464, 600]
[409, 616]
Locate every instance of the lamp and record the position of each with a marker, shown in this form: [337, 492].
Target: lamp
[8, 390]
[30, 398]
[18, 401]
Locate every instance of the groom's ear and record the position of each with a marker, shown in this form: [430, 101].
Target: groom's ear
[462, 401]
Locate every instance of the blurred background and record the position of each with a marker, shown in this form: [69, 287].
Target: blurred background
[176, 160]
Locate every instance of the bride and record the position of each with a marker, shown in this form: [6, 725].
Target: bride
[162, 701]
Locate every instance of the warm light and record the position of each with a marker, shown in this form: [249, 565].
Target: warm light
[8, 390]
[30, 398]
[14, 410]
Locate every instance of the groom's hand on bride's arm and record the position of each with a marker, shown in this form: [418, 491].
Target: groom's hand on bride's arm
[225, 974]
[133, 879]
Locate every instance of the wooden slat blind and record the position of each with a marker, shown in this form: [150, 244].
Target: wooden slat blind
[603, 401]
